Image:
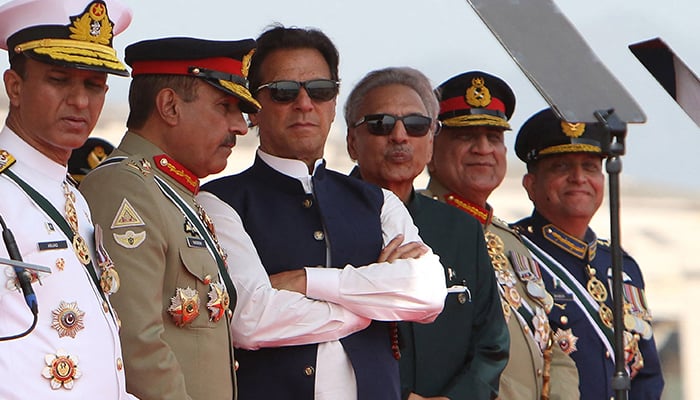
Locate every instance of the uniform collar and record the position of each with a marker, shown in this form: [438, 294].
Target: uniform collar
[581, 249]
[136, 144]
[30, 160]
[483, 214]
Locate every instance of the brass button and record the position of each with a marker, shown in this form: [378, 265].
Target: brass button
[539, 372]
[564, 320]
[309, 370]
[307, 203]
[105, 306]
[235, 365]
[318, 235]
[607, 354]
[120, 364]
[462, 298]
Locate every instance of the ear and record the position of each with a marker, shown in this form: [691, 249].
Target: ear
[529, 185]
[168, 106]
[13, 86]
[351, 142]
[253, 118]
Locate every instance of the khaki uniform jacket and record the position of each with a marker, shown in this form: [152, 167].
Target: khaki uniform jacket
[162, 267]
[524, 373]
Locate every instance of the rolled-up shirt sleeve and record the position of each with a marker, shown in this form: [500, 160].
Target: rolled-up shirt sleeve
[403, 290]
[264, 316]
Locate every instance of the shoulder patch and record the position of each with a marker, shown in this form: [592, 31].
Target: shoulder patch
[126, 216]
[130, 240]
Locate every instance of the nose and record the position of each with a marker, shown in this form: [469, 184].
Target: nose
[303, 102]
[398, 134]
[577, 174]
[78, 96]
[238, 124]
[481, 145]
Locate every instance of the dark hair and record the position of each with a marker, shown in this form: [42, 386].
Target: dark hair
[144, 89]
[279, 37]
[19, 65]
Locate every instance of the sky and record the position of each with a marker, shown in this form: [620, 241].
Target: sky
[443, 38]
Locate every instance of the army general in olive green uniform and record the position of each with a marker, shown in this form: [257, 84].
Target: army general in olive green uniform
[469, 162]
[186, 102]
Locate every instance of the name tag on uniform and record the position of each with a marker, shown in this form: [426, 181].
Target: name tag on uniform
[58, 244]
[196, 242]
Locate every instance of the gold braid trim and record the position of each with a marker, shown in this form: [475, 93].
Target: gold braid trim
[85, 57]
[546, 373]
[65, 43]
[240, 91]
[476, 120]
[571, 148]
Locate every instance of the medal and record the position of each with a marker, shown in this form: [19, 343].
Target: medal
[67, 319]
[184, 306]
[61, 369]
[566, 340]
[218, 301]
[535, 290]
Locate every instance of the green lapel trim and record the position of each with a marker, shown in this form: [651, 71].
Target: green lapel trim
[51, 211]
[180, 203]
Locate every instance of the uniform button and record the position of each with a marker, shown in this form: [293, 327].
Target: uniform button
[318, 235]
[309, 371]
[105, 306]
[527, 329]
[207, 280]
[564, 320]
[307, 203]
[539, 372]
[607, 354]
[462, 298]
[120, 364]
[119, 323]
[235, 365]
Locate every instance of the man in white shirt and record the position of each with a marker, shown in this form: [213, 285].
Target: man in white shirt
[68, 345]
[318, 233]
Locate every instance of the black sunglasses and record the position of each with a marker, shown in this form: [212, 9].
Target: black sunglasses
[383, 124]
[287, 91]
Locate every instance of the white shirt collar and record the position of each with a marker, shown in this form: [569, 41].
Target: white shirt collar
[291, 167]
[30, 160]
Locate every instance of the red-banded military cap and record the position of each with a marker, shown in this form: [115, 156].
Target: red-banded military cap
[69, 33]
[475, 98]
[223, 64]
[544, 134]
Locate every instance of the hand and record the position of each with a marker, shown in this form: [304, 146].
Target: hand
[294, 281]
[414, 396]
[395, 250]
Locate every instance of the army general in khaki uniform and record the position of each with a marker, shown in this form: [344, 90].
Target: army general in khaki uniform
[469, 162]
[186, 102]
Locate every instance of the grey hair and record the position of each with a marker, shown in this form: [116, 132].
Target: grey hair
[406, 76]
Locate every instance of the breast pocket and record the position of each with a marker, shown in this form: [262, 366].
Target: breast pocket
[188, 305]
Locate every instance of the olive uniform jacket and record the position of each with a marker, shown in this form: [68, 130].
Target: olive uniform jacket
[527, 374]
[462, 354]
[175, 342]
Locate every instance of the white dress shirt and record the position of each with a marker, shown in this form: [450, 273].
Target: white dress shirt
[96, 346]
[412, 290]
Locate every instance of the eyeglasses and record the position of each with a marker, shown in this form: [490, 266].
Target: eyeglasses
[383, 124]
[287, 91]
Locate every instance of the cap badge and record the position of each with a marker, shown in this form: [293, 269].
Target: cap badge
[573, 130]
[478, 95]
[245, 63]
[93, 25]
